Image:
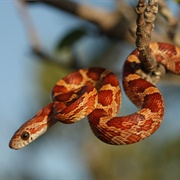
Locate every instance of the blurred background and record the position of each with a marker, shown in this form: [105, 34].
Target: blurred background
[55, 43]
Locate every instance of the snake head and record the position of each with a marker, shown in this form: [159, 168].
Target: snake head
[22, 137]
[33, 128]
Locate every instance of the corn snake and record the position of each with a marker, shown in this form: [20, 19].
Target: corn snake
[96, 93]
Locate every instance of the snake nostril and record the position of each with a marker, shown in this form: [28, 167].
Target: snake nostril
[25, 135]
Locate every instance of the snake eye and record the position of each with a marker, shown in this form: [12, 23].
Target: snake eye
[25, 135]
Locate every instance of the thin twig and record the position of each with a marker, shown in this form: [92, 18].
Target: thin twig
[170, 19]
[28, 24]
[33, 36]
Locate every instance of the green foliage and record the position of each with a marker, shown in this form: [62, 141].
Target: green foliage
[178, 1]
[70, 38]
[64, 47]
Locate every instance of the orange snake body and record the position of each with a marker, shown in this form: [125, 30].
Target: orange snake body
[96, 93]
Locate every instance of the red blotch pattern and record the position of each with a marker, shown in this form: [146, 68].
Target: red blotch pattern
[105, 97]
[74, 78]
[95, 73]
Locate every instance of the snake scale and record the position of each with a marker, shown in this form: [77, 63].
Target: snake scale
[96, 93]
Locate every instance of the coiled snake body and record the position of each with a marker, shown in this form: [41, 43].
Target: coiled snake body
[96, 93]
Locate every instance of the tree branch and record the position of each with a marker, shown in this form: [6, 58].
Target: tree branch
[109, 23]
[145, 20]
[145, 24]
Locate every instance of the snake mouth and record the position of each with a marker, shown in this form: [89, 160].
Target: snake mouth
[16, 145]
